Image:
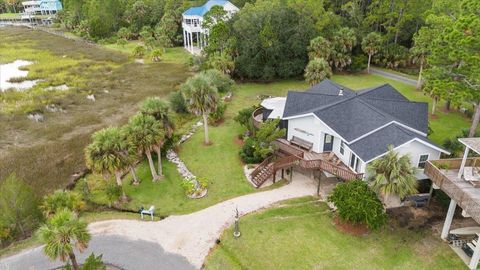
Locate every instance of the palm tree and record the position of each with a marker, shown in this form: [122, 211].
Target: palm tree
[146, 134]
[159, 109]
[201, 97]
[61, 234]
[110, 153]
[371, 45]
[320, 47]
[317, 70]
[393, 175]
[421, 49]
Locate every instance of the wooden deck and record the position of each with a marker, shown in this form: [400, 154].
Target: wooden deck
[321, 161]
[463, 192]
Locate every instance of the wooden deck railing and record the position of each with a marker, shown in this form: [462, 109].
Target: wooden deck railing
[324, 165]
[285, 162]
[444, 174]
[260, 167]
[284, 146]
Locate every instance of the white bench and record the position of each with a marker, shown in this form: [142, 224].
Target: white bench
[148, 212]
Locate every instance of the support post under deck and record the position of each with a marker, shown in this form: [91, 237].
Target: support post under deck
[448, 219]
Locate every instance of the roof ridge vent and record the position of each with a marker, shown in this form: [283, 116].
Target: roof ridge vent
[340, 93]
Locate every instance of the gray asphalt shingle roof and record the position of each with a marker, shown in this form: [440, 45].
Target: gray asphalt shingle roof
[377, 143]
[355, 114]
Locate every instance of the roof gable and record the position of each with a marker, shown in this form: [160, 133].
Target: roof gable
[376, 144]
[385, 91]
[328, 87]
[202, 10]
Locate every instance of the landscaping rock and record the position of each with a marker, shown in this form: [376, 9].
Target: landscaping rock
[37, 117]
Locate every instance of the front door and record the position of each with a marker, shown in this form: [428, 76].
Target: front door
[328, 143]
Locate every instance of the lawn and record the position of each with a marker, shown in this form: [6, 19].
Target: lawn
[220, 162]
[10, 15]
[273, 239]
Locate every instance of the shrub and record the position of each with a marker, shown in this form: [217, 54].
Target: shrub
[156, 55]
[60, 200]
[359, 63]
[93, 263]
[177, 102]
[222, 81]
[244, 118]
[248, 152]
[19, 212]
[196, 63]
[357, 203]
[113, 192]
[219, 114]
[259, 147]
[139, 51]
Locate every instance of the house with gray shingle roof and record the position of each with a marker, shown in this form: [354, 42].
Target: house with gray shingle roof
[356, 126]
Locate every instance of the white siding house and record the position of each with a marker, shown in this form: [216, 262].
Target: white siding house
[358, 127]
[195, 35]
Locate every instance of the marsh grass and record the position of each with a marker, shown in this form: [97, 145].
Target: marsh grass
[46, 154]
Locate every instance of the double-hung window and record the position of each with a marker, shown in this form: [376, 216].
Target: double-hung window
[422, 161]
[342, 148]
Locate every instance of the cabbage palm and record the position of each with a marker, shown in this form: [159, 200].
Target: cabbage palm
[110, 153]
[320, 47]
[201, 97]
[371, 45]
[159, 109]
[393, 175]
[317, 70]
[61, 234]
[146, 134]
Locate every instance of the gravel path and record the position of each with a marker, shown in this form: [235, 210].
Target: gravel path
[117, 250]
[193, 235]
[393, 76]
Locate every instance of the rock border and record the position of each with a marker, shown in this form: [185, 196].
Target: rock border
[173, 157]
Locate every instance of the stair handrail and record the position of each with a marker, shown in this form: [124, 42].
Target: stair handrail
[260, 166]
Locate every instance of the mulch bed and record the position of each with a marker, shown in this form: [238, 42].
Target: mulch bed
[238, 141]
[353, 229]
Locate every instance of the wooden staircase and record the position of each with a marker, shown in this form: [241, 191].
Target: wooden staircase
[269, 167]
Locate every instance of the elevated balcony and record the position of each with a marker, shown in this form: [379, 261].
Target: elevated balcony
[444, 174]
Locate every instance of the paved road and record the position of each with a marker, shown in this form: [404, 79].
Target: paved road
[119, 251]
[393, 76]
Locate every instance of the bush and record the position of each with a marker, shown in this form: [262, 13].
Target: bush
[177, 102]
[357, 203]
[139, 51]
[19, 212]
[259, 147]
[222, 81]
[60, 200]
[113, 192]
[196, 63]
[156, 55]
[244, 118]
[93, 263]
[359, 63]
[218, 115]
[248, 152]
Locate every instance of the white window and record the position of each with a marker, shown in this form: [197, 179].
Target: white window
[342, 148]
[422, 161]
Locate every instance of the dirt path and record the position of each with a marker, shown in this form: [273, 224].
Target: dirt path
[193, 235]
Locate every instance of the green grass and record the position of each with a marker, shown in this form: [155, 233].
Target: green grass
[299, 234]
[10, 15]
